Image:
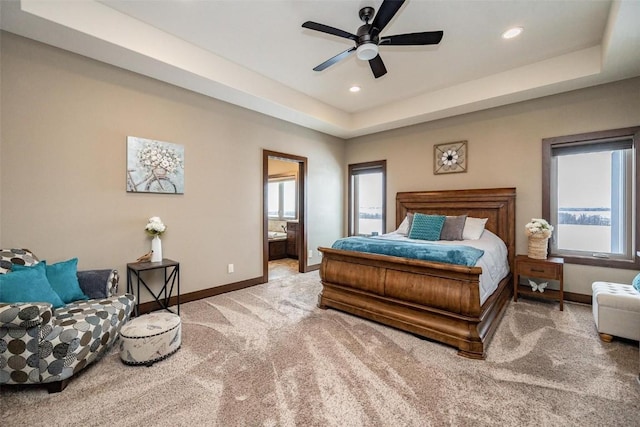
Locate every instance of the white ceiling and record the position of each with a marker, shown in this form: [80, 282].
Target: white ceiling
[256, 54]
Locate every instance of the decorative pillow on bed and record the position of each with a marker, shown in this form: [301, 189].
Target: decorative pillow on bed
[426, 227]
[473, 228]
[453, 227]
[636, 282]
[405, 225]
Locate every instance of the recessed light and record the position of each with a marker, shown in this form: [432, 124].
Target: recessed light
[354, 89]
[512, 32]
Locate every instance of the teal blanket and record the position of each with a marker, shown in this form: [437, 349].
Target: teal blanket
[450, 254]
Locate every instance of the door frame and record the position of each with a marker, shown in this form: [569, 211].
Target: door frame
[303, 266]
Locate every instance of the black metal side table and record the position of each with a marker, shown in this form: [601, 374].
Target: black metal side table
[171, 278]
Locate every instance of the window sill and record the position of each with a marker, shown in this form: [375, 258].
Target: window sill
[599, 262]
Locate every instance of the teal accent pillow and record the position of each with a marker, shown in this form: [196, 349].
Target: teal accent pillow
[636, 282]
[63, 277]
[426, 227]
[28, 285]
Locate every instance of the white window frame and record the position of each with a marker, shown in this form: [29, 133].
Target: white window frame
[628, 233]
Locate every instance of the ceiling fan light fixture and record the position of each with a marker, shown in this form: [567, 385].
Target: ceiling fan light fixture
[367, 51]
[512, 32]
[367, 37]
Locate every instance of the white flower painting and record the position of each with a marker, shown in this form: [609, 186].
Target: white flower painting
[450, 157]
[154, 166]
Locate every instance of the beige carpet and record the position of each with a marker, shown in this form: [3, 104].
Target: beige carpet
[266, 356]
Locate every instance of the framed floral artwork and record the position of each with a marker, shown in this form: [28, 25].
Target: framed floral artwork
[450, 157]
[154, 166]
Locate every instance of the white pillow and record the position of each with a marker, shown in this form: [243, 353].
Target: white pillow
[473, 228]
[405, 225]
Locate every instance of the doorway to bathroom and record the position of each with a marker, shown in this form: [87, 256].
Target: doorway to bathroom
[284, 214]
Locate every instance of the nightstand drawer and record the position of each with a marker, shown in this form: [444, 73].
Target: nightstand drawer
[543, 271]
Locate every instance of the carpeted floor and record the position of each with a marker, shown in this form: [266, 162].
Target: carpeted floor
[267, 356]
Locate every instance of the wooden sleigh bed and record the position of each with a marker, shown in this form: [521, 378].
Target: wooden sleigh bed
[434, 300]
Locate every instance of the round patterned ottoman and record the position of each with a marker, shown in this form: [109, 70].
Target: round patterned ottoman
[149, 338]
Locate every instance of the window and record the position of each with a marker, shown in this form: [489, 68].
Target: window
[282, 197]
[367, 198]
[590, 195]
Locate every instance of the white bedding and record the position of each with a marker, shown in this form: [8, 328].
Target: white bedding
[494, 262]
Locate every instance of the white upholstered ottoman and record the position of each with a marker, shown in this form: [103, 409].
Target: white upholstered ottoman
[616, 310]
[149, 338]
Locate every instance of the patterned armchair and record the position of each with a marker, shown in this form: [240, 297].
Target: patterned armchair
[40, 344]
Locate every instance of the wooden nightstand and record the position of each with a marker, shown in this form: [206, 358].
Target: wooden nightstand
[550, 268]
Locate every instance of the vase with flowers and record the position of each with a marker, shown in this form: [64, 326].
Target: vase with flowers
[155, 228]
[538, 231]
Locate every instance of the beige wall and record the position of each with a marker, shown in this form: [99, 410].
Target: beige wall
[64, 126]
[63, 132]
[504, 151]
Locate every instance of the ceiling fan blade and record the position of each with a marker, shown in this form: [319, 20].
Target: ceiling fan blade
[329, 30]
[413, 39]
[377, 66]
[387, 11]
[331, 61]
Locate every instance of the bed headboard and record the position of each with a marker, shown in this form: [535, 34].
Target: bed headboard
[496, 204]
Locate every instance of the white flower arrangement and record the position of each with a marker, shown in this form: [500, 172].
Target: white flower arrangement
[153, 155]
[538, 227]
[155, 227]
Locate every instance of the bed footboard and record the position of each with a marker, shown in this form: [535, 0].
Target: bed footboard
[433, 300]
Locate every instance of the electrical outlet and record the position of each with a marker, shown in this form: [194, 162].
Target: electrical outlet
[310, 253]
[230, 268]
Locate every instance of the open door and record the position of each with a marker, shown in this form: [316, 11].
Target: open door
[301, 207]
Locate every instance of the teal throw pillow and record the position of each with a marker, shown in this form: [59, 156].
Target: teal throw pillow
[426, 227]
[63, 277]
[636, 282]
[28, 285]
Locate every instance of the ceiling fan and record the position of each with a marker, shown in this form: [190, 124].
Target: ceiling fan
[367, 38]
